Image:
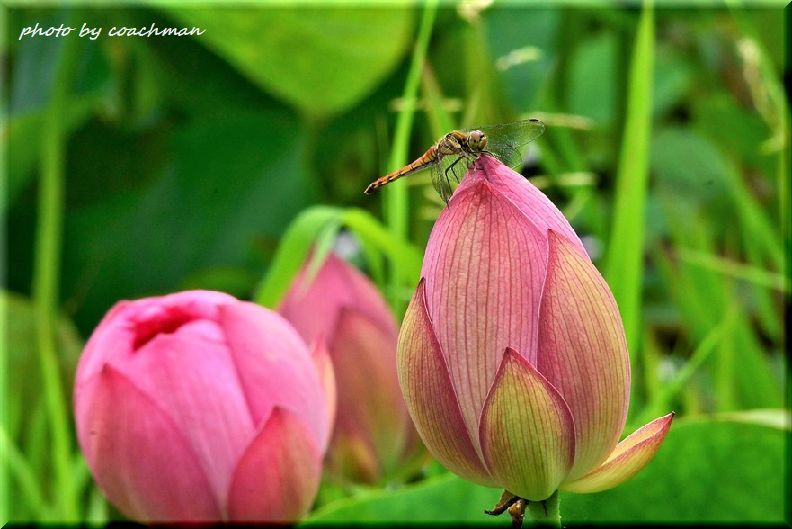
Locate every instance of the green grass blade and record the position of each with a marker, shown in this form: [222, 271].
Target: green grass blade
[727, 267]
[322, 247]
[395, 196]
[5, 508]
[663, 399]
[5, 490]
[440, 120]
[624, 268]
[317, 228]
[14, 463]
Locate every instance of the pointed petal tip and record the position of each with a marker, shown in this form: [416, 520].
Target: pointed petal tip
[277, 477]
[521, 399]
[628, 458]
[324, 367]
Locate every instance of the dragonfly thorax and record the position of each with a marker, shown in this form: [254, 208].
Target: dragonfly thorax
[461, 143]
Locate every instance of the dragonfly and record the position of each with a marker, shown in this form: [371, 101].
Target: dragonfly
[453, 154]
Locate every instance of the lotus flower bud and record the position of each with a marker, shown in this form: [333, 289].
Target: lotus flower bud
[373, 432]
[197, 406]
[512, 356]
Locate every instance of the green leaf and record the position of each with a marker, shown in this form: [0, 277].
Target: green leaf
[701, 474]
[673, 76]
[320, 59]
[34, 66]
[592, 94]
[20, 347]
[522, 45]
[373, 234]
[318, 226]
[222, 199]
[293, 251]
[21, 441]
[688, 165]
[706, 471]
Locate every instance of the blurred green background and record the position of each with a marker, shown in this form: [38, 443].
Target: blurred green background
[140, 166]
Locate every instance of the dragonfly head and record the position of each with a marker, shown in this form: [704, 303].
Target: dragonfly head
[477, 140]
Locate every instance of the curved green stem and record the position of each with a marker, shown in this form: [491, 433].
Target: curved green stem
[546, 513]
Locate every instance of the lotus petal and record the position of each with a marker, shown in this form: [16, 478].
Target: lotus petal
[193, 378]
[277, 477]
[527, 431]
[324, 366]
[430, 396]
[364, 354]
[314, 312]
[583, 352]
[484, 266]
[629, 458]
[265, 359]
[534, 204]
[137, 453]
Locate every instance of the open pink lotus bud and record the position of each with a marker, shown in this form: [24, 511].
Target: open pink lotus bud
[197, 406]
[512, 356]
[342, 307]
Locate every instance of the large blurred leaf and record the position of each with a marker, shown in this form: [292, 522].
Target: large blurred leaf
[735, 128]
[688, 165]
[320, 59]
[32, 74]
[706, 471]
[521, 42]
[592, 79]
[673, 76]
[21, 350]
[223, 201]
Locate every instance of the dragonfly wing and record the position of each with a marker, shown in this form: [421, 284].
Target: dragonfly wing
[440, 179]
[508, 141]
[448, 173]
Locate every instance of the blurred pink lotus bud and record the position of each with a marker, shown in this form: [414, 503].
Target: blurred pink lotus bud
[197, 406]
[373, 432]
[512, 356]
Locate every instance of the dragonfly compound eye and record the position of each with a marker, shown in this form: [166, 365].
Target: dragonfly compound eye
[477, 140]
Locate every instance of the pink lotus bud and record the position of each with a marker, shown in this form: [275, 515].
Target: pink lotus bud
[197, 406]
[372, 431]
[512, 356]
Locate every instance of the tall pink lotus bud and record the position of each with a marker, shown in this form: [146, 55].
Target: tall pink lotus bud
[512, 356]
[342, 307]
[197, 406]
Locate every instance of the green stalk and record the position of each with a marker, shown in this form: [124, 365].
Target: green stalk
[5, 510]
[625, 260]
[395, 196]
[15, 464]
[546, 513]
[46, 275]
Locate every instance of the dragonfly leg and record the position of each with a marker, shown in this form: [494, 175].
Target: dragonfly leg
[451, 168]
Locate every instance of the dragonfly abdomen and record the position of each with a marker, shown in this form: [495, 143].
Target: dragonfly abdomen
[428, 158]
